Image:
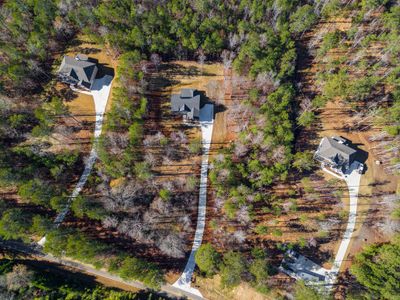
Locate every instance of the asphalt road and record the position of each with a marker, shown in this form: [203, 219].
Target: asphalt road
[35, 252]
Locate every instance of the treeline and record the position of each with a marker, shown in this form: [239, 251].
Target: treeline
[233, 267]
[31, 32]
[376, 268]
[256, 34]
[21, 224]
[19, 280]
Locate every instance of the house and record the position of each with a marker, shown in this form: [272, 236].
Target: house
[300, 267]
[78, 71]
[336, 153]
[187, 103]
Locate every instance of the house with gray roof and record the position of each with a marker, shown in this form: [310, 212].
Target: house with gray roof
[336, 153]
[187, 103]
[78, 71]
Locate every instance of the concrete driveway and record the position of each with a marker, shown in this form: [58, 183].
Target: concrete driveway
[352, 178]
[206, 123]
[100, 92]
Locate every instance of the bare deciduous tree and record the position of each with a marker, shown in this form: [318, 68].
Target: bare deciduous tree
[172, 245]
[19, 277]
[156, 60]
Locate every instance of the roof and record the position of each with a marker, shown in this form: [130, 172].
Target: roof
[300, 267]
[187, 102]
[81, 70]
[187, 93]
[335, 149]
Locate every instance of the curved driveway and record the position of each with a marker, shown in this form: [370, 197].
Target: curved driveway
[206, 123]
[352, 178]
[100, 92]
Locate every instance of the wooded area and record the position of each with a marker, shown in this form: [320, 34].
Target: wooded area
[124, 202]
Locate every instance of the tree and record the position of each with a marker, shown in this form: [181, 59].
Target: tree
[20, 277]
[306, 119]
[41, 225]
[231, 269]
[15, 223]
[377, 268]
[82, 206]
[172, 245]
[156, 60]
[56, 242]
[143, 171]
[303, 161]
[207, 259]
[303, 292]
[302, 19]
[259, 269]
[134, 268]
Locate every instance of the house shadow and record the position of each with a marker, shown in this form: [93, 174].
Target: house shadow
[103, 69]
[361, 155]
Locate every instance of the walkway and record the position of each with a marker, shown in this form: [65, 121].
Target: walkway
[206, 123]
[100, 92]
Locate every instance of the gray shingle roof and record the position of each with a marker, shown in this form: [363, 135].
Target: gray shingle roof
[187, 102]
[187, 93]
[80, 70]
[332, 149]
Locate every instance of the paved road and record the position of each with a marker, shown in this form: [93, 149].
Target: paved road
[100, 92]
[35, 252]
[206, 123]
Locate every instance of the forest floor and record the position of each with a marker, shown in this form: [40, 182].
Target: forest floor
[338, 118]
[169, 79]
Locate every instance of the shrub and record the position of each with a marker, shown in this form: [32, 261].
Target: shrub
[195, 146]
[261, 229]
[165, 194]
[277, 232]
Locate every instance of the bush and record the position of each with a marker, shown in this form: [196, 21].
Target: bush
[261, 229]
[165, 194]
[195, 146]
[207, 259]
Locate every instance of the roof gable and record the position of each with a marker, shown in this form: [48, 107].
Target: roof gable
[331, 148]
[188, 105]
[78, 69]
